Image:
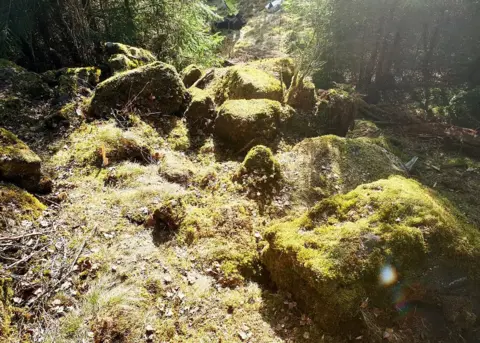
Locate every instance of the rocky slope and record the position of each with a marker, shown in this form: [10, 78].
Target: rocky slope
[212, 206]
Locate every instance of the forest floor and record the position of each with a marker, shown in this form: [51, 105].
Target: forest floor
[98, 274]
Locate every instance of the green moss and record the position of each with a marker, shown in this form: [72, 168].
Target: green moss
[89, 143]
[330, 259]
[138, 54]
[281, 68]
[241, 121]
[120, 62]
[260, 171]
[178, 138]
[18, 163]
[6, 293]
[247, 83]
[18, 205]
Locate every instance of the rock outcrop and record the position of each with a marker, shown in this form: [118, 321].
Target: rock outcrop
[17, 205]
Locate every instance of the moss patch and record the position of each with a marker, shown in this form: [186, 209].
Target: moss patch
[247, 83]
[18, 205]
[332, 258]
[260, 171]
[282, 68]
[18, 163]
[102, 144]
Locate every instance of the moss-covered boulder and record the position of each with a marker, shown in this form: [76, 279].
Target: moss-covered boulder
[121, 57]
[247, 83]
[321, 166]
[18, 164]
[336, 112]
[107, 144]
[176, 167]
[373, 243]
[260, 171]
[153, 88]
[69, 82]
[8, 70]
[200, 114]
[190, 75]
[282, 68]
[31, 84]
[242, 122]
[301, 96]
[17, 205]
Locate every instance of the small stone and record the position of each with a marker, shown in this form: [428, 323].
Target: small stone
[306, 335]
[56, 302]
[167, 279]
[243, 336]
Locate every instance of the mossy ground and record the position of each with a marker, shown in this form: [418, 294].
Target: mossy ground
[17, 206]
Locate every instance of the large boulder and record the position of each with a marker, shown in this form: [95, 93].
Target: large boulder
[18, 164]
[9, 69]
[243, 122]
[321, 166]
[190, 75]
[200, 114]
[391, 244]
[153, 88]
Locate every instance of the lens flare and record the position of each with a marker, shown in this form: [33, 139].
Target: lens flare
[388, 275]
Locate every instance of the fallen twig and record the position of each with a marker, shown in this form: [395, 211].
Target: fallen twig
[16, 238]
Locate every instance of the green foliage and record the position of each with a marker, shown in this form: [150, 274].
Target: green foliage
[45, 34]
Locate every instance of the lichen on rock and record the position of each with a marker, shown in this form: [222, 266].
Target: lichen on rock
[153, 88]
[241, 122]
[369, 243]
